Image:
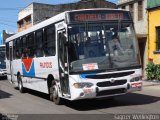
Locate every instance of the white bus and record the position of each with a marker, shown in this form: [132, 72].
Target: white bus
[3, 71]
[55, 56]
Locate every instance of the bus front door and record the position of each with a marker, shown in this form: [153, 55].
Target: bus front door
[63, 62]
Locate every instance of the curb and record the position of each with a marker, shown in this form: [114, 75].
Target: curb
[151, 83]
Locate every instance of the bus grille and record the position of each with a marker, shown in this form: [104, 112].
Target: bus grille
[108, 76]
[111, 92]
[109, 83]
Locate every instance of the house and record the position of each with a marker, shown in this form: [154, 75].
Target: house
[153, 9]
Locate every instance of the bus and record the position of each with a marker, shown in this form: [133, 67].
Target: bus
[78, 54]
[3, 72]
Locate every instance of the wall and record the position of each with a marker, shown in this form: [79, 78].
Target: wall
[154, 21]
[140, 26]
[25, 12]
[43, 11]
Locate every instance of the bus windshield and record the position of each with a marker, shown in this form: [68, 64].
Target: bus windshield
[102, 46]
[2, 58]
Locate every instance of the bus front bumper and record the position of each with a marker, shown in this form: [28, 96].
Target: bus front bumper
[99, 92]
[3, 73]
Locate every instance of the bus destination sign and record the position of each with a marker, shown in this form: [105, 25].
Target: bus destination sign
[90, 16]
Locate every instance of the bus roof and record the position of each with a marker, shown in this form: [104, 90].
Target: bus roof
[53, 20]
[97, 9]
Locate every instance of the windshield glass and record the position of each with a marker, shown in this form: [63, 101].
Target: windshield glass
[2, 58]
[102, 46]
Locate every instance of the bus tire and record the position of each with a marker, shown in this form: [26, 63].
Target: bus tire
[51, 90]
[20, 84]
[57, 100]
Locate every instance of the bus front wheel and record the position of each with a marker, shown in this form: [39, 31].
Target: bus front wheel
[20, 84]
[57, 100]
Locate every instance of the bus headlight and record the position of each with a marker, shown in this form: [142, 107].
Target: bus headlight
[135, 79]
[83, 84]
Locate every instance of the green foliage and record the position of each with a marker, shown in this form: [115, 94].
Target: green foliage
[158, 72]
[153, 71]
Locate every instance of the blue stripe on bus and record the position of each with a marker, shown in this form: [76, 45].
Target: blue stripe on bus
[84, 75]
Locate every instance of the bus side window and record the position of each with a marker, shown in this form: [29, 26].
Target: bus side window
[49, 42]
[14, 49]
[31, 45]
[24, 47]
[39, 43]
[18, 48]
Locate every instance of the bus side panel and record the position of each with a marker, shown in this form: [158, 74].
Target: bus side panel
[36, 76]
[16, 68]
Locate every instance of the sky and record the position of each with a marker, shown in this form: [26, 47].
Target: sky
[9, 11]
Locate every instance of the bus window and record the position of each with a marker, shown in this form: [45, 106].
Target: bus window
[24, 49]
[14, 49]
[49, 43]
[39, 43]
[18, 48]
[31, 45]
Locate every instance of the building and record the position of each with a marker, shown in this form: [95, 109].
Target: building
[153, 8]
[3, 36]
[37, 12]
[1, 39]
[33, 14]
[137, 9]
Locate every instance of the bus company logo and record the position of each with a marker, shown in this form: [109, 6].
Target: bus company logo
[112, 80]
[28, 67]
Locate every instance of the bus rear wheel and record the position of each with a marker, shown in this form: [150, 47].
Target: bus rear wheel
[20, 84]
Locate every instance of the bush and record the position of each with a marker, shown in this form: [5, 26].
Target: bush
[158, 72]
[153, 71]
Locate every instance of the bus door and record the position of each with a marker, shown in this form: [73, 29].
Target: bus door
[11, 59]
[63, 62]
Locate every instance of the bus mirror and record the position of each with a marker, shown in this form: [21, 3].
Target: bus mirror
[65, 66]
